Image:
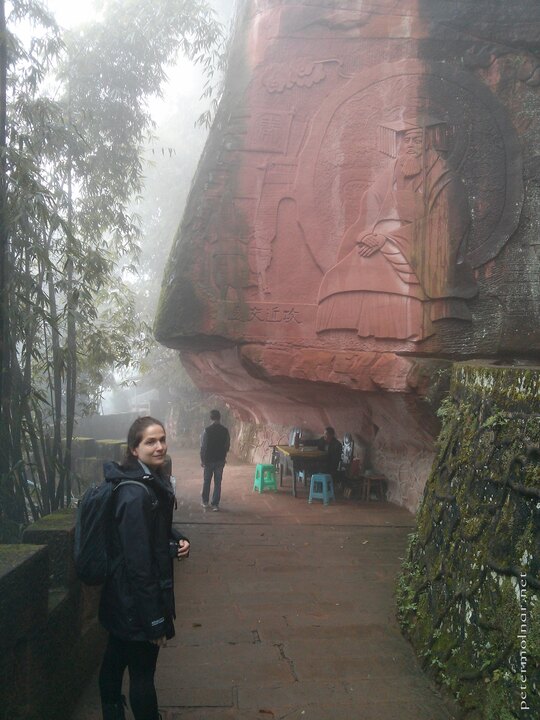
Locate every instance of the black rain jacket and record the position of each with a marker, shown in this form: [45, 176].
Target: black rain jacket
[137, 599]
[215, 444]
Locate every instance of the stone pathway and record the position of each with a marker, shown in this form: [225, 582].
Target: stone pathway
[286, 610]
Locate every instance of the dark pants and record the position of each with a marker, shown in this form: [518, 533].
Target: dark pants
[140, 658]
[214, 469]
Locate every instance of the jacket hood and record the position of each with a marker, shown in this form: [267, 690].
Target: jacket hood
[114, 473]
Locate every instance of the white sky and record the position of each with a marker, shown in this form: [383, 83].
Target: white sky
[185, 80]
[72, 12]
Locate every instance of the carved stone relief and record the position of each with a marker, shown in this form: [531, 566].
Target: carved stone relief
[404, 246]
[364, 219]
[302, 72]
[356, 207]
[429, 170]
[268, 131]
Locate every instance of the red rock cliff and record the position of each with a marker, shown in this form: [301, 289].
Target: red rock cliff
[355, 219]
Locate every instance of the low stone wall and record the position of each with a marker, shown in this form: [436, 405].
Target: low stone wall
[88, 458]
[468, 596]
[50, 641]
[106, 426]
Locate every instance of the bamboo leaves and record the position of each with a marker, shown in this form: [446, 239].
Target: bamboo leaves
[76, 123]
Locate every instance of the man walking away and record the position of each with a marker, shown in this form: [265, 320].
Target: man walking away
[215, 443]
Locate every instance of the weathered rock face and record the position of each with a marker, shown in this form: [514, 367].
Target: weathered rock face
[368, 197]
[468, 594]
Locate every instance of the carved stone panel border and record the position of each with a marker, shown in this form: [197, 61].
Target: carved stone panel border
[484, 149]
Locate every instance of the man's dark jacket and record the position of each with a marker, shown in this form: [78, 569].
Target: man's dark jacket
[215, 444]
[137, 599]
[333, 452]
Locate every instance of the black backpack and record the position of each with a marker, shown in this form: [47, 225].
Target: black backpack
[92, 532]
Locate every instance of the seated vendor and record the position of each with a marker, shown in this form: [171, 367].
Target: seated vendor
[329, 443]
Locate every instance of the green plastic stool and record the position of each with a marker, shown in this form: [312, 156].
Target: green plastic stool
[265, 478]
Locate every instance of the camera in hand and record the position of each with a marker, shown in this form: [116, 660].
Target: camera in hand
[173, 548]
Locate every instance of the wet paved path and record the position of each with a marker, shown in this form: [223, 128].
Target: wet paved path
[286, 610]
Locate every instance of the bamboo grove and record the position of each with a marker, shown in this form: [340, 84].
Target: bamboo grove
[74, 122]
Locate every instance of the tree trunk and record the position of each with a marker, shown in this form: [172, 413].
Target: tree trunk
[71, 341]
[5, 434]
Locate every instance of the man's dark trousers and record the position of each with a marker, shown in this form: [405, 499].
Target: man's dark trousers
[215, 470]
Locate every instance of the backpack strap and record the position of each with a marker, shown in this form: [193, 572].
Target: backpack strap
[132, 482]
[150, 492]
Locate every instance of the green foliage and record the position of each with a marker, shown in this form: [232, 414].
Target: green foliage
[408, 582]
[446, 408]
[78, 119]
[498, 420]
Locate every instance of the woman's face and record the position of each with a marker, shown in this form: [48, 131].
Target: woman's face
[153, 447]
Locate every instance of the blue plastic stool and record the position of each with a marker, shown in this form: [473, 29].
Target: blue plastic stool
[321, 488]
[265, 477]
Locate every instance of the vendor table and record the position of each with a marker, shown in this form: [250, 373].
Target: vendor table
[308, 459]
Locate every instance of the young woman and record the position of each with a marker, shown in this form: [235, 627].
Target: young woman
[137, 601]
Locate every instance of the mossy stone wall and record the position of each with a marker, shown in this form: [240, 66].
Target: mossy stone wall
[50, 640]
[468, 594]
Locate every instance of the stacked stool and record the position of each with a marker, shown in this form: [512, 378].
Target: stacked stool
[321, 488]
[265, 478]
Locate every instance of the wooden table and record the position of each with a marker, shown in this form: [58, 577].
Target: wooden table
[308, 459]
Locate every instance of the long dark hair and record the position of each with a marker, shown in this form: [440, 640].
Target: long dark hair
[135, 435]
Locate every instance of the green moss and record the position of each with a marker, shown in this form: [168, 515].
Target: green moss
[13, 555]
[501, 692]
[58, 520]
[477, 529]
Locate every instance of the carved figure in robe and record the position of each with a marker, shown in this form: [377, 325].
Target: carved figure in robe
[401, 264]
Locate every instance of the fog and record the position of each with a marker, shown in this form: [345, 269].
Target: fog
[169, 163]
[101, 144]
